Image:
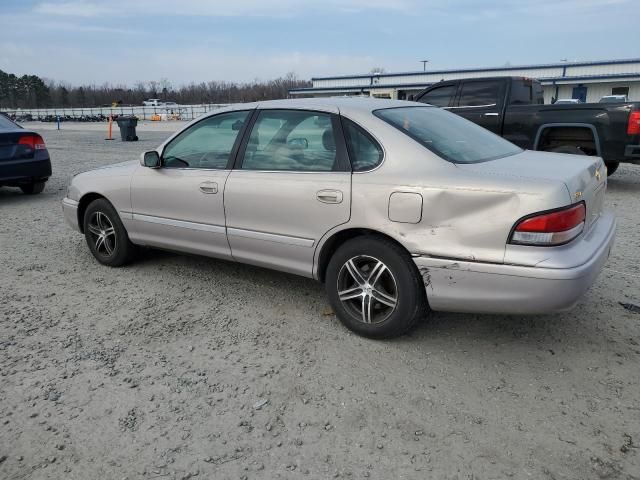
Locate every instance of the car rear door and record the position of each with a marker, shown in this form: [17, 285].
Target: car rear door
[291, 184]
[481, 102]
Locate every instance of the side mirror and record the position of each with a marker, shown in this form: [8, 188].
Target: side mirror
[150, 159]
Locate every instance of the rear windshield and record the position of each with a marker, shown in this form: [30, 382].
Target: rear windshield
[448, 135]
[6, 124]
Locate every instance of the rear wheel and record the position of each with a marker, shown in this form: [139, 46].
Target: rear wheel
[105, 234]
[32, 188]
[375, 288]
[612, 167]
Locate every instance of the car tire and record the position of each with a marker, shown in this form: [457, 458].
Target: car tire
[105, 234]
[32, 188]
[611, 167]
[375, 288]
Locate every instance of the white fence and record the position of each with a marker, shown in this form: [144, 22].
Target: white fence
[171, 112]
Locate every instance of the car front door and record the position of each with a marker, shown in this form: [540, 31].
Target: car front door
[480, 101]
[292, 184]
[180, 205]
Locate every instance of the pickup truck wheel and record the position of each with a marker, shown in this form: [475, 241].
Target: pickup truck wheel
[375, 288]
[573, 150]
[611, 167]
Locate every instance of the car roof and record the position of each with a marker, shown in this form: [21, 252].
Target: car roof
[342, 104]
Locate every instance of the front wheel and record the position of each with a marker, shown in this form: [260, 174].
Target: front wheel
[105, 234]
[375, 288]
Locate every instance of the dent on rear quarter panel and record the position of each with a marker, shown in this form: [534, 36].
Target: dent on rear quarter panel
[459, 222]
[465, 224]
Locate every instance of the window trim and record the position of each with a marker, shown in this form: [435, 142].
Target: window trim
[234, 150]
[342, 159]
[367, 134]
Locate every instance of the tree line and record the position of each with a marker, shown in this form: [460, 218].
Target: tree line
[31, 91]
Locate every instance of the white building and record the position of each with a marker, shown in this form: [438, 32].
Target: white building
[588, 81]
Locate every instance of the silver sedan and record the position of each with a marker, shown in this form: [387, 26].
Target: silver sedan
[396, 207]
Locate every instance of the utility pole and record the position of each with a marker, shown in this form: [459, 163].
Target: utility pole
[424, 65]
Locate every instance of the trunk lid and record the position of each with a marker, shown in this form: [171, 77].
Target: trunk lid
[9, 147]
[584, 177]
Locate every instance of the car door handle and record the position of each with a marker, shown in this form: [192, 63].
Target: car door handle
[329, 196]
[491, 114]
[209, 187]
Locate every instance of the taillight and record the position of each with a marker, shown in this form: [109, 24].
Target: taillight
[634, 124]
[550, 228]
[33, 141]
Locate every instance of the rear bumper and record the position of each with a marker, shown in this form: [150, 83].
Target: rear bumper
[70, 211]
[15, 172]
[632, 154]
[459, 286]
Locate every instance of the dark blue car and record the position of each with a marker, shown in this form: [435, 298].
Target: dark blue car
[24, 158]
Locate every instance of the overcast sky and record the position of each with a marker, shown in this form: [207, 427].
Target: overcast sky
[124, 41]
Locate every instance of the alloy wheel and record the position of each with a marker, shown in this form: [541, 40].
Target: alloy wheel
[102, 233]
[367, 289]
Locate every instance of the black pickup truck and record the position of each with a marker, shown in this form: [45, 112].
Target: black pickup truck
[513, 107]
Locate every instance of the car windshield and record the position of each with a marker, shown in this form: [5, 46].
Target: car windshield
[6, 124]
[449, 136]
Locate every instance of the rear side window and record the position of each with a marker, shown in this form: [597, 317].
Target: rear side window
[440, 96]
[480, 94]
[6, 124]
[364, 152]
[291, 140]
[521, 92]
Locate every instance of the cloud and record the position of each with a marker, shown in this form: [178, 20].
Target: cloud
[235, 8]
[180, 67]
[73, 9]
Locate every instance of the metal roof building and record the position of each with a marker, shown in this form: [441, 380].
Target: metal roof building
[588, 81]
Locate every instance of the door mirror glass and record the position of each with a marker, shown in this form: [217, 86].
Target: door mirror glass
[151, 159]
[301, 143]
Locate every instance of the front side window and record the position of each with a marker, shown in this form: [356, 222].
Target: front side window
[439, 97]
[480, 94]
[364, 152]
[291, 140]
[447, 135]
[207, 144]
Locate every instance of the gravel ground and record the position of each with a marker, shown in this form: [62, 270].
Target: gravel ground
[183, 367]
